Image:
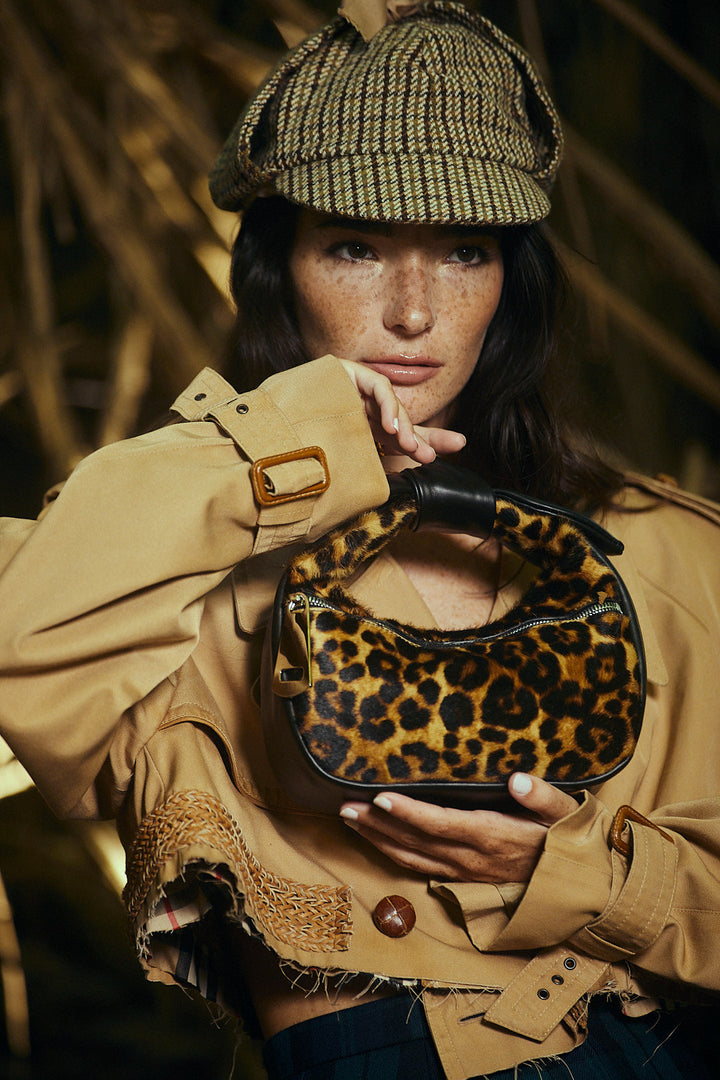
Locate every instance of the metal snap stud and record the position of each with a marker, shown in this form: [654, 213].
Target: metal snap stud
[558, 980]
[543, 994]
[242, 408]
[570, 963]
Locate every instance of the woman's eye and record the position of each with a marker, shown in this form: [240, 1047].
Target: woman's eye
[353, 251]
[469, 255]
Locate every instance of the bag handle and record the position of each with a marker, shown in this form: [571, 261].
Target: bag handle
[457, 499]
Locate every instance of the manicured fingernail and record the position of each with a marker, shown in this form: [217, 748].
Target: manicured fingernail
[349, 814]
[396, 424]
[382, 802]
[521, 784]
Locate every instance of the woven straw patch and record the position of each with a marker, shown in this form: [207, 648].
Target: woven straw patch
[316, 918]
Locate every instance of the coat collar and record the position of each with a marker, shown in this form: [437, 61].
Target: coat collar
[383, 585]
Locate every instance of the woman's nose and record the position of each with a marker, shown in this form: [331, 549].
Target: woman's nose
[409, 307]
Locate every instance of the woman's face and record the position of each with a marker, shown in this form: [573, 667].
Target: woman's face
[411, 301]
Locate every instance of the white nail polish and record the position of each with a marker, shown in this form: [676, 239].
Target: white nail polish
[382, 802]
[396, 424]
[349, 814]
[521, 784]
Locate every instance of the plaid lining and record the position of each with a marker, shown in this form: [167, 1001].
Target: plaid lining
[172, 924]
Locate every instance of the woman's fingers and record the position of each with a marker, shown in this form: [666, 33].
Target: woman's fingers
[390, 422]
[409, 854]
[381, 403]
[463, 845]
[442, 440]
[416, 835]
[459, 845]
[546, 802]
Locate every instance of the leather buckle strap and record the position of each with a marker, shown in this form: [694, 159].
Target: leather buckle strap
[265, 496]
[624, 814]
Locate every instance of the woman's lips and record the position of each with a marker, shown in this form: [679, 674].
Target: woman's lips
[405, 370]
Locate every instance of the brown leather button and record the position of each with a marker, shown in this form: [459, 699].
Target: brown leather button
[394, 916]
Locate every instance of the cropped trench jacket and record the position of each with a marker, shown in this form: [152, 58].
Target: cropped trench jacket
[134, 613]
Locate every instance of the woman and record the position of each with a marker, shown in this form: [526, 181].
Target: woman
[390, 223]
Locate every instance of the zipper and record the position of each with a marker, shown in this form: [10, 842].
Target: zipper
[302, 601]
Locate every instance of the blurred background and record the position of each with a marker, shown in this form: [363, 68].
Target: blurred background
[113, 268]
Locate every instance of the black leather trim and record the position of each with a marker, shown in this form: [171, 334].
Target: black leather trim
[448, 497]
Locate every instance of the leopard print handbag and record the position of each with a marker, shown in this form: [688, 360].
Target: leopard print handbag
[554, 687]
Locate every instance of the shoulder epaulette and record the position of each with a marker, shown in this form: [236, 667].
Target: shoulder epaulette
[666, 488]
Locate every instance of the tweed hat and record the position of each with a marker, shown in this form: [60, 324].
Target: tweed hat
[437, 118]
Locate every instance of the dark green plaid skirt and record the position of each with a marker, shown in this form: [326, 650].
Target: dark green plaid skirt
[389, 1039]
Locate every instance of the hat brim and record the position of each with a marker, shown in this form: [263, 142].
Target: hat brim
[416, 188]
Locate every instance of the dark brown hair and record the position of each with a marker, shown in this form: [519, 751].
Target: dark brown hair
[514, 434]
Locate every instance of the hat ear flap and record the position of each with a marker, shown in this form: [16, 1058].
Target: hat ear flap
[540, 111]
[262, 135]
[548, 134]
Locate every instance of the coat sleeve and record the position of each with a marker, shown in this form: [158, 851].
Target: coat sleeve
[656, 907]
[102, 596]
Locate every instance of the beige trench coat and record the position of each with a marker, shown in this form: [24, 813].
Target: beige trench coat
[130, 649]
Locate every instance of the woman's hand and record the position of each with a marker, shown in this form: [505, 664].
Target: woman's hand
[463, 845]
[390, 422]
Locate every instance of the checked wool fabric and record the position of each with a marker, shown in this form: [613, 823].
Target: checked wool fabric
[438, 118]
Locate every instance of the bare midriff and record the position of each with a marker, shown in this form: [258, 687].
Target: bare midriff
[280, 1002]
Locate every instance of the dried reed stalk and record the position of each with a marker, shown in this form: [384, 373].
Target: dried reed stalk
[141, 145]
[113, 225]
[244, 64]
[297, 12]
[11, 383]
[129, 379]
[683, 257]
[664, 47]
[115, 60]
[12, 977]
[663, 347]
[39, 356]
[568, 184]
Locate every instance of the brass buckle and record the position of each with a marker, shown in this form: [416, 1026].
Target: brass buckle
[626, 813]
[268, 498]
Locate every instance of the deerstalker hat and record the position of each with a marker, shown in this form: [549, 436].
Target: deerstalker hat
[439, 117]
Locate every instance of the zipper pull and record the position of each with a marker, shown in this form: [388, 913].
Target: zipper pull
[304, 601]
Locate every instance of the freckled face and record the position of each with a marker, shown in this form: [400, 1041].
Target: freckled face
[411, 301]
